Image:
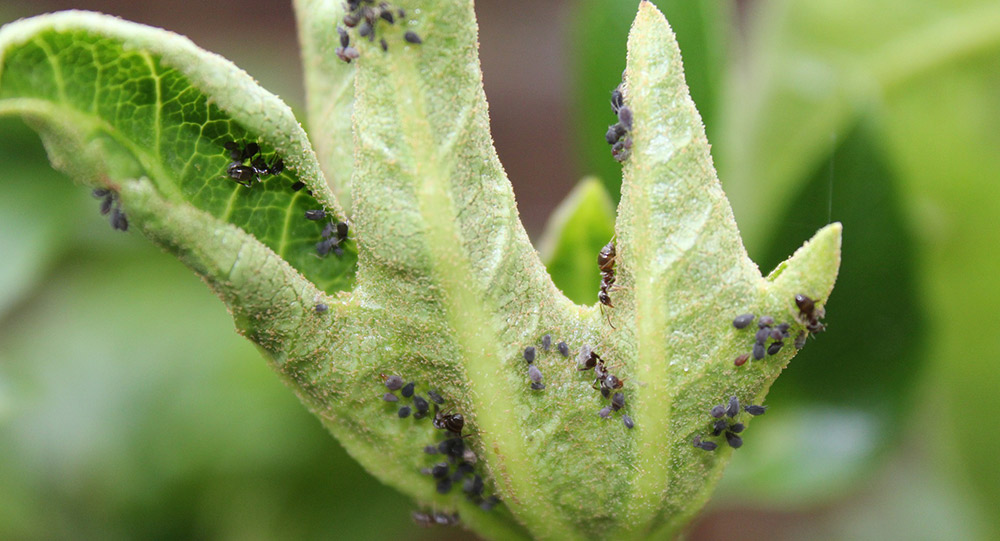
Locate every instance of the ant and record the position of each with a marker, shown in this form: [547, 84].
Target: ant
[606, 263]
[244, 174]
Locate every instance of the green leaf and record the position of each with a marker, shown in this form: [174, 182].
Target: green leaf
[116, 101]
[450, 291]
[329, 91]
[581, 225]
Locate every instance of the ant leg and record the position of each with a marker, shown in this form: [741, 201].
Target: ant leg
[608, 316]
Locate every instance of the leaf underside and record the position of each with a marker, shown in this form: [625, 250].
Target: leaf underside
[449, 290]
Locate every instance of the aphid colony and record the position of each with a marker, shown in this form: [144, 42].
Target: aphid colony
[809, 316]
[244, 173]
[730, 428]
[618, 134]
[365, 16]
[111, 205]
[333, 235]
[606, 262]
[459, 466]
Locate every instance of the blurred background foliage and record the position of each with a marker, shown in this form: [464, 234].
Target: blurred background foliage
[129, 408]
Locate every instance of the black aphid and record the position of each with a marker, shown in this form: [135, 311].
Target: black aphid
[783, 328]
[733, 440]
[315, 215]
[546, 342]
[393, 383]
[461, 471]
[444, 486]
[563, 348]
[625, 117]
[605, 392]
[365, 30]
[617, 100]
[435, 397]
[342, 230]
[706, 445]
[431, 449]
[106, 205]
[737, 427]
[605, 412]
[628, 421]
[420, 403]
[758, 351]
[412, 37]
[774, 348]
[404, 412]
[118, 220]
[743, 321]
[734, 407]
[741, 360]
[298, 186]
[326, 246]
[347, 54]
[753, 409]
[535, 374]
[452, 422]
[440, 470]
[537, 386]
[489, 503]
[320, 308]
[419, 414]
[389, 397]
[408, 389]
[529, 354]
[614, 133]
[718, 411]
[345, 39]
[719, 426]
[385, 46]
[618, 401]
[800, 340]
[763, 335]
[765, 321]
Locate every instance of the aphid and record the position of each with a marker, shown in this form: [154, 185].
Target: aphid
[106, 205]
[392, 383]
[625, 117]
[387, 15]
[404, 412]
[617, 99]
[347, 54]
[763, 335]
[743, 321]
[618, 401]
[741, 360]
[733, 440]
[440, 470]
[563, 348]
[537, 386]
[444, 486]
[605, 412]
[706, 445]
[534, 374]
[606, 263]
[753, 409]
[620, 150]
[765, 321]
[342, 230]
[800, 340]
[424, 520]
[298, 186]
[431, 449]
[420, 403]
[776, 334]
[419, 414]
[734, 407]
[320, 308]
[435, 397]
[718, 411]
[469, 456]
[605, 392]
[345, 39]
[774, 348]
[452, 422]
[365, 29]
[489, 503]
[351, 20]
[385, 46]
[529, 354]
[389, 397]
[719, 426]
[408, 389]
[783, 327]
[412, 37]
[628, 422]
[315, 215]
[758, 351]
[737, 427]
[461, 471]
[546, 342]
[614, 133]
[118, 220]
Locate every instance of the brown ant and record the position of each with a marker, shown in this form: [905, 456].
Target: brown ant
[606, 263]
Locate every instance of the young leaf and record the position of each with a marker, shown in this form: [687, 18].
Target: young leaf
[115, 101]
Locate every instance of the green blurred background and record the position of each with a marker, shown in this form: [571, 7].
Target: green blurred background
[129, 409]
